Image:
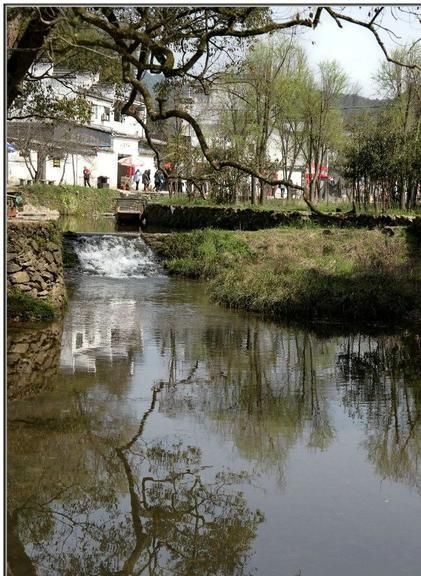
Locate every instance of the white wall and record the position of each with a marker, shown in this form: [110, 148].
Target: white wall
[17, 169]
[128, 125]
[125, 138]
[103, 163]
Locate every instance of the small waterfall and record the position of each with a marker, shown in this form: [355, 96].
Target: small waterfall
[115, 256]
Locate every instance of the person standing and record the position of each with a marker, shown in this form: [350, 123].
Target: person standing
[146, 180]
[156, 180]
[86, 176]
[136, 178]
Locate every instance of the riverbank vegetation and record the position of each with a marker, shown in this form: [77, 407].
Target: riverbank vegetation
[66, 199]
[22, 307]
[302, 274]
[85, 202]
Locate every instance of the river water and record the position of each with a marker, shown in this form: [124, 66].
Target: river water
[152, 432]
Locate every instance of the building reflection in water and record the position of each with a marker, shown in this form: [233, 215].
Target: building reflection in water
[108, 332]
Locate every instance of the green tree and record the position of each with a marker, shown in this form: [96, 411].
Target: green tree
[256, 104]
[382, 157]
[291, 90]
[322, 121]
[403, 86]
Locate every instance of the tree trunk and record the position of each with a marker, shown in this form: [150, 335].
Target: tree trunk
[26, 47]
[74, 171]
[253, 190]
[64, 168]
[29, 166]
[262, 192]
[41, 162]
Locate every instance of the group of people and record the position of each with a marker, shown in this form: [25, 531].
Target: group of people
[138, 177]
[145, 178]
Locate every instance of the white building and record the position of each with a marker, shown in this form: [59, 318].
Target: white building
[207, 109]
[106, 138]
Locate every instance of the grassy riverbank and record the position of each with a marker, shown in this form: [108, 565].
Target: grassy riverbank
[307, 274]
[80, 201]
[76, 200]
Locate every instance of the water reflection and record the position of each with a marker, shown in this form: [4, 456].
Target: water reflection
[261, 387]
[270, 390]
[32, 359]
[102, 337]
[89, 224]
[382, 388]
[158, 391]
[137, 508]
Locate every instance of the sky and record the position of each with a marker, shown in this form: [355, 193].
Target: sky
[356, 48]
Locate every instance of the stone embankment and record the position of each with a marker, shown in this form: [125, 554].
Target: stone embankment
[32, 360]
[193, 217]
[34, 261]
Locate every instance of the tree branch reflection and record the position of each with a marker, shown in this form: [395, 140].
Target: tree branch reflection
[383, 389]
[159, 510]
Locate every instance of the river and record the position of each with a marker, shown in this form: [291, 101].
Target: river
[152, 432]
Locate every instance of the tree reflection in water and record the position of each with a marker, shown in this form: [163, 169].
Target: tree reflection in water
[101, 500]
[258, 386]
[268, 389]
[138, 508]
[383, 389]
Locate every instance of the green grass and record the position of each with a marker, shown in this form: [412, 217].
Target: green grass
[75, 200]
[302, 274]
[25, 308]
[200, 253]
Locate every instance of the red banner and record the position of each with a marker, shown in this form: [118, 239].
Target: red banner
[322, 173]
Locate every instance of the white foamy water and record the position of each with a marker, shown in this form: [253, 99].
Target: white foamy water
[116, 257]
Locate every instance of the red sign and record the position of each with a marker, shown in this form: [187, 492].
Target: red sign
[322, 172]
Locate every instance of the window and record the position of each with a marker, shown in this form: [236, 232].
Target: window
[95, 112]
[79, 340]
[106, 114]
[56, 162]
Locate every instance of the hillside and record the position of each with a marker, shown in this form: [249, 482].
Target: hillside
[352, 104]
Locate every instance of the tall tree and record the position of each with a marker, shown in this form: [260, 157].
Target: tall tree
[321, 120]
[383, 153]
[291, 90]
[403, 86]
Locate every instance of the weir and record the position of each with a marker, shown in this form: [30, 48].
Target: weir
[113, 255]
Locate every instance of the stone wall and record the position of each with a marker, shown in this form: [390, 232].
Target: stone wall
[32, 360]
[34, 260]
[190, 217]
